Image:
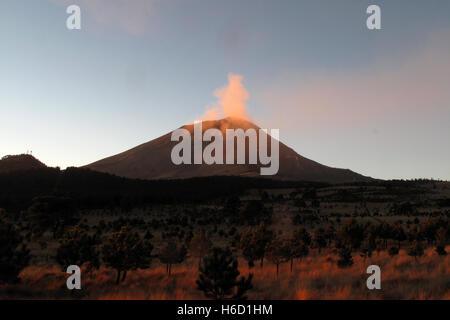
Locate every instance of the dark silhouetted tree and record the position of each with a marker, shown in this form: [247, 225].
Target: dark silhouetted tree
[398, 234]
[254, 212]
[51, 213]
[393, 250]
[78, 248]
[441, 241]
[330, 234]
[278, 252]
[299, 245]
[428, 229]
[125, 250]
[319, 239]
[368, 245]
[350, 235]
[247, 243]
[384, 231]
[172, 254]
[253, 243]
[416, 250]
[200, 245]
[345, 257]
[218, 277]
[14, 256]
[414, 234]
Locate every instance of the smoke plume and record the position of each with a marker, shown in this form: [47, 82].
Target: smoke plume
[230, 101]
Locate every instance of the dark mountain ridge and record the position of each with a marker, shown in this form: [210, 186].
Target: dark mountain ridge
[19, 162]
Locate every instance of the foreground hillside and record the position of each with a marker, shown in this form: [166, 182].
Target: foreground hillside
[328, 234]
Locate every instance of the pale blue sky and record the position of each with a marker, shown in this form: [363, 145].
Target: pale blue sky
[376, 102]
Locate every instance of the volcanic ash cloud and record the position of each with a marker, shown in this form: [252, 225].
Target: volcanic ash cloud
[230, 101]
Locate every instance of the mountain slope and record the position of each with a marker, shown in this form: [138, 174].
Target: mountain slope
[152, 160]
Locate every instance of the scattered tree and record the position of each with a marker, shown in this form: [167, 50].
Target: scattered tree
[253, 243]
[51, 212]
[330, 234]
[172, 254]
[77, 248]
[218, 277]
[299, 245]
[278, 252]
[345, 257]
[441, 238]
[398, 234]
[319, 239]
[125, 251]
[392, 251]
[416, 250]
[200, 245]
[350, 235]
[14, 256]
[368, 246]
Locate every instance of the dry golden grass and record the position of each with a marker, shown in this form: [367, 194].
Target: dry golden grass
[316, 277]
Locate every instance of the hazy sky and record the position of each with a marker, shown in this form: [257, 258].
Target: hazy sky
[376, 102]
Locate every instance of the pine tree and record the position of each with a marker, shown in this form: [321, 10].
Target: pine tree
[77, 248]
[350, 234]
[368, 245]
[218, 277]
[345, 257]
[14, 256]
[278, 252]
[319, 239]
[51, 212]
[330, 234]
[125, 251]
[200, 245]
[253, 243]
[416, 250]
[398, 233]
[172, 254]
[441, 239]
[247, 244]
[299, 245]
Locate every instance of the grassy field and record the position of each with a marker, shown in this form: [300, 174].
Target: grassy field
[315, 277]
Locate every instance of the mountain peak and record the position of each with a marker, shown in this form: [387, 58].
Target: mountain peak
[224, 123]
[152, 160]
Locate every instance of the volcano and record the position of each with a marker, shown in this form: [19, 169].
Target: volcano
[152, 160]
